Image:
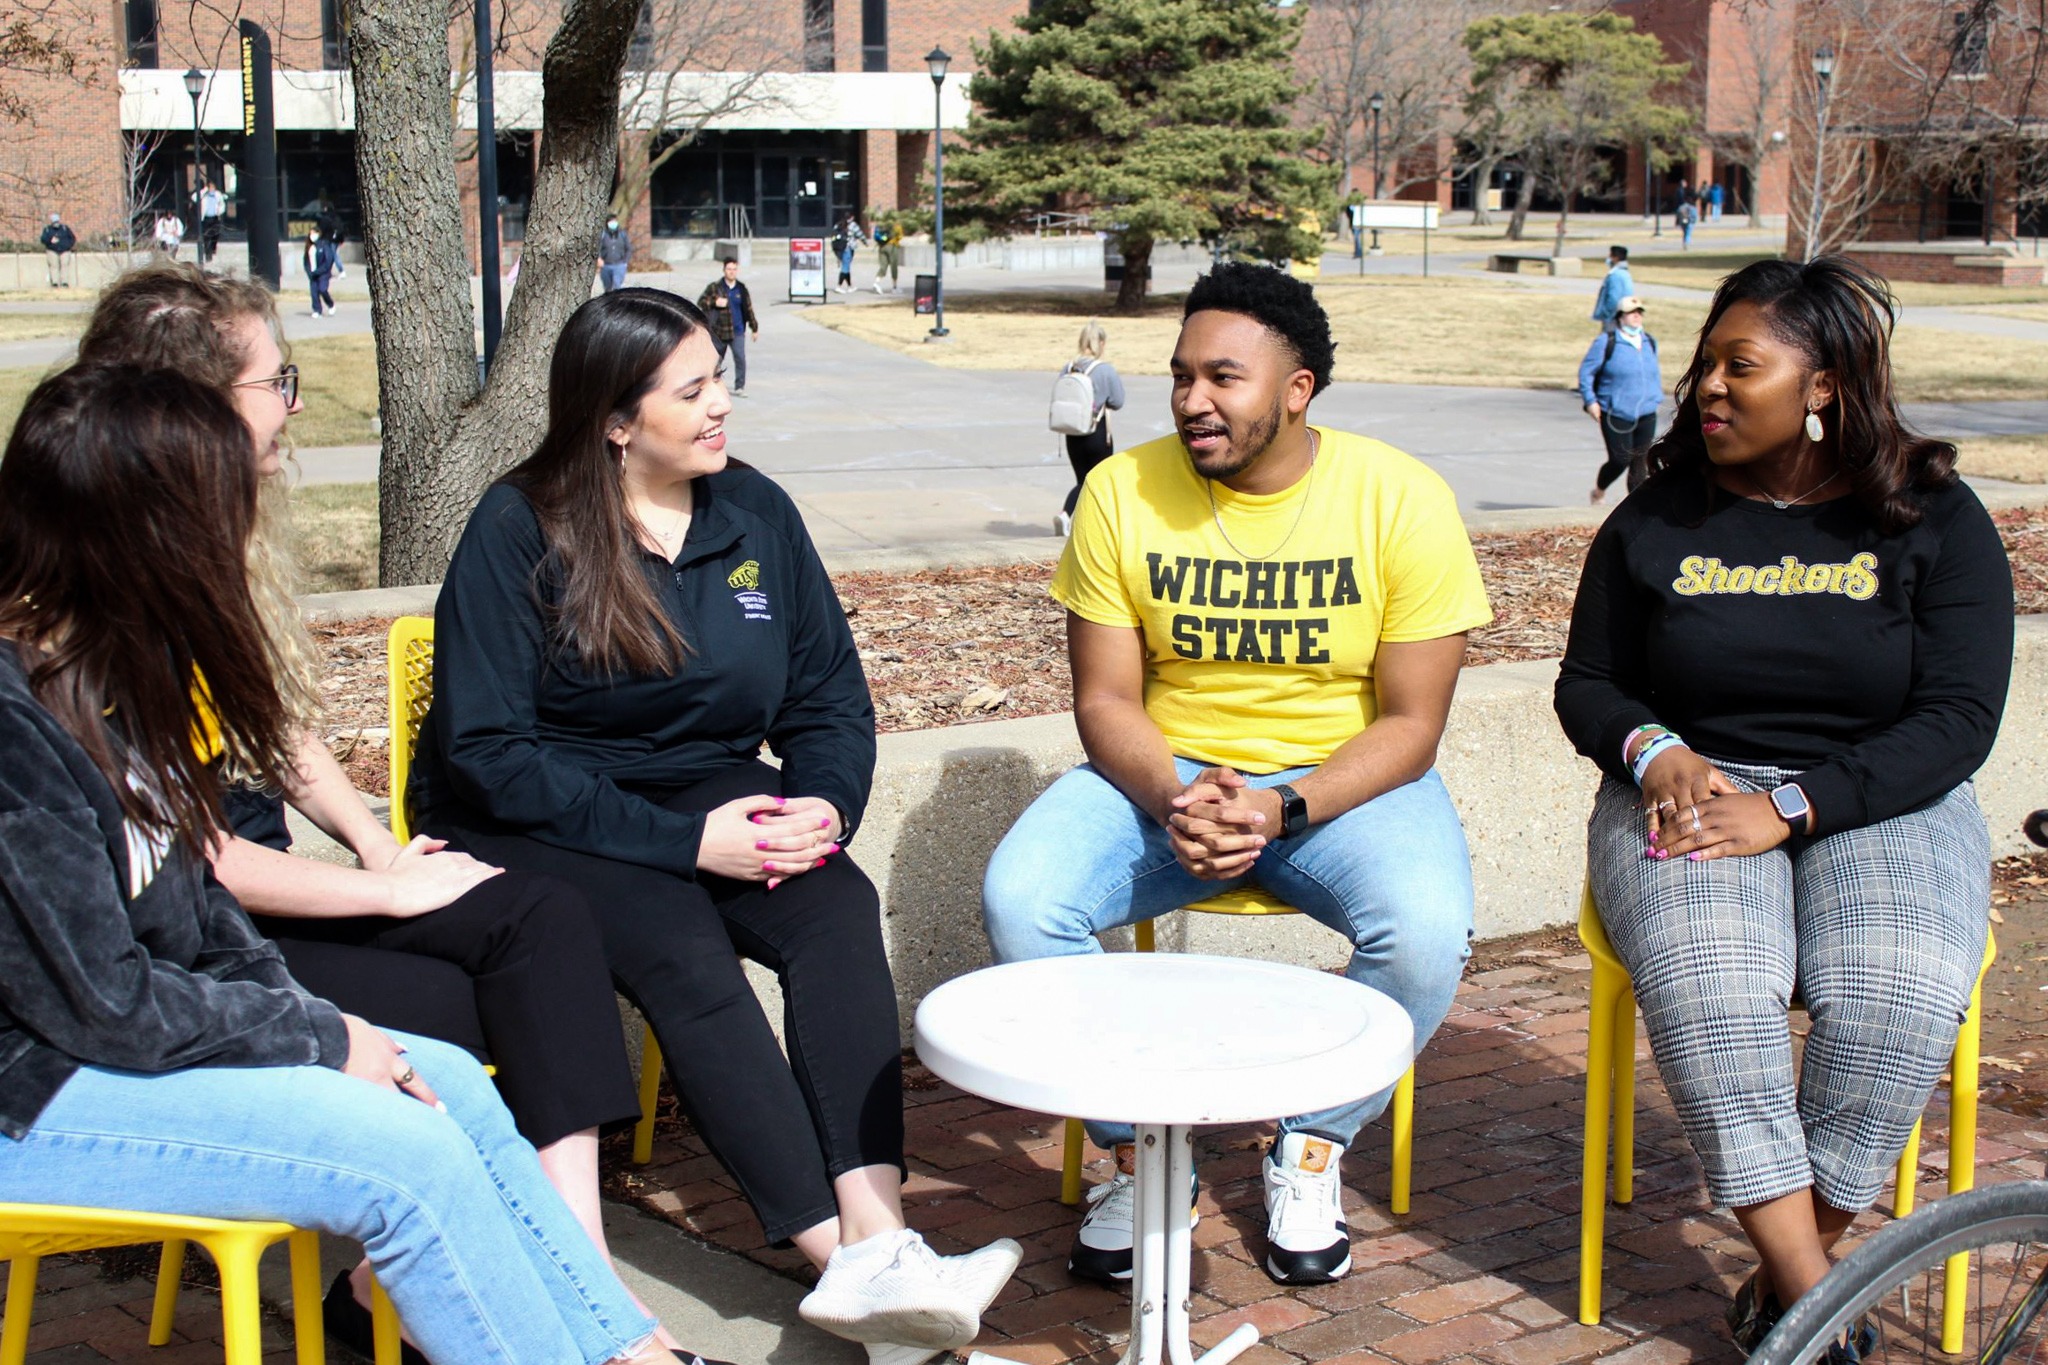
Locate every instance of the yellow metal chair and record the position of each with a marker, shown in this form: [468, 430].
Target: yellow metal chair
[29, 1232]
[1251, 900]
[409, 666]
[1610, 1087]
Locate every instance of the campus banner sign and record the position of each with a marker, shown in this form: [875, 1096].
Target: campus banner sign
[806, 270]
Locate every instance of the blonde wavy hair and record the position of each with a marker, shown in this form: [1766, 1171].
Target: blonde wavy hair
[174, 316]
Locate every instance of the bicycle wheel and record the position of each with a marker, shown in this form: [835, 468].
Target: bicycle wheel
[1896, 1283]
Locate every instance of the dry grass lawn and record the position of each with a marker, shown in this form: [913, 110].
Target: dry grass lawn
[2027, 312]
[2019, 459]
[334, 536]
[37, 326]
[1411, 331]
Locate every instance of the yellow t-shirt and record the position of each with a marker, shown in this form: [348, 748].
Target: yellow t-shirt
[1267, 664]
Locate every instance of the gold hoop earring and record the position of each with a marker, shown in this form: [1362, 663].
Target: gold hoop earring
[1814, 430]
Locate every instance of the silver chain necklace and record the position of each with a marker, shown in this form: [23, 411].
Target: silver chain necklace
[1782, 504]
[1315, 446]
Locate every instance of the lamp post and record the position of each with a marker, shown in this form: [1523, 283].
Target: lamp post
[936, 61]
[1823, 77]
[195, 86]
[1376, 103]
[487, 195]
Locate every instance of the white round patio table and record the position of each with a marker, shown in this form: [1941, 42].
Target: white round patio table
[1164, 1041]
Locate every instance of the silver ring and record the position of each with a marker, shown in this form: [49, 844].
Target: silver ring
[405, 1078]
[1668, 803]
[1694, 811]
[1695, 824]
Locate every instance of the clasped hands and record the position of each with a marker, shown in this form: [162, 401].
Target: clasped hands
[1693, 811]
[1217, 824]
[769, 838]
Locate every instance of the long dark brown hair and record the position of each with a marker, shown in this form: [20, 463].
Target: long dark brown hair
[1839, 316]
[605, 362]
[126, 502]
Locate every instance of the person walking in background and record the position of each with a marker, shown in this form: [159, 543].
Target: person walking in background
[846, 238]
[1091, 445]
[1714, 197]
[614, 253]
[209, 204]
[1618, 285]
[319, 261]
[168, 233]
[1687, 216]
[58, 239]
[889, 246]
[1620, 386]
[731, 310]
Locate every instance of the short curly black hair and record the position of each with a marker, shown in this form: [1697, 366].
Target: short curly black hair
[1280, 303]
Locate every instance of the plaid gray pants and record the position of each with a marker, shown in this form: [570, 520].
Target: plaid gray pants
[1880, 930]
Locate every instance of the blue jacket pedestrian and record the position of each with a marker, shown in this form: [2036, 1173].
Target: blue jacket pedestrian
[1620, 373]
[1618, 285]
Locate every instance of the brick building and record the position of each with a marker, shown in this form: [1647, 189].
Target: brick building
[815, 107]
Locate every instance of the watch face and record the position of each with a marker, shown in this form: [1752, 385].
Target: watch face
[1789, 801]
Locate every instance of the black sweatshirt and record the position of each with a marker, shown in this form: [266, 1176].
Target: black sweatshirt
[523, 739]
[115, 950]
[1874, 666]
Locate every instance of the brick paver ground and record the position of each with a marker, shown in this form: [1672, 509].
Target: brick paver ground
[1482, 1269]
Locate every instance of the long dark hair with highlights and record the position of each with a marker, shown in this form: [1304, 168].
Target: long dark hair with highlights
[127, 498]
[1839, 316]
[605, 362]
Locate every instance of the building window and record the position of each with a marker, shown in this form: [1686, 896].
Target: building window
[142, 32]
[818, 37]
[874, 35]
[640, 56]
[333, 37]
[1971, 46]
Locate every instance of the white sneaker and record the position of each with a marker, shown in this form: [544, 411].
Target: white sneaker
[1062, 523]
[1102, 1248]
[1307, 1238]
[893, 1290]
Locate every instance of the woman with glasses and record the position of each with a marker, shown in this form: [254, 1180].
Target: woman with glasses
[416, 937]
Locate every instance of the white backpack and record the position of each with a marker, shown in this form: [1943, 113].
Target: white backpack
[1073, 401]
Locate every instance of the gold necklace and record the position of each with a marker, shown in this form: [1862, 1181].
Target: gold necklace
[1315, 446]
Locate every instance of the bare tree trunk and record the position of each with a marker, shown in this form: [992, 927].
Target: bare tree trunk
[1518, 222]
[1130, 291]
[1482, 180]
[443, 440]
[1753, 171]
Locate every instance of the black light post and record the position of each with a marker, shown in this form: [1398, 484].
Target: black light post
[1376, 103]
[936, 61]
[1823, 77]
[487, 191]
[195, 86]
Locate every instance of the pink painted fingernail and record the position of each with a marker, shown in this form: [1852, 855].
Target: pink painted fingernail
[1653, 836]
[760, 843]
[1694, 857]
[1662, 854]
[824, 823]
[819, 863]
[833, 849]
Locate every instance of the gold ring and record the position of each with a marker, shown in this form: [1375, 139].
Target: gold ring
[405, 1077]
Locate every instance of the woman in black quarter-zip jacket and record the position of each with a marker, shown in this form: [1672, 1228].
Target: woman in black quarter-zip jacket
[627, 620]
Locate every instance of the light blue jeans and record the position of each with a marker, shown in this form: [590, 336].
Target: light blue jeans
[484, 1262]
[1392, 876]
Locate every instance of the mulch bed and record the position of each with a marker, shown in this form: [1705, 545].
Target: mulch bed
[957, 646]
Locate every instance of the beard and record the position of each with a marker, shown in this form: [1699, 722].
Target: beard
[1243, 451]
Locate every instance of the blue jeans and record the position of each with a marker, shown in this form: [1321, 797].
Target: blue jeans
[1392, 876]
[613, 276]
[485, 1263]
[736, 346]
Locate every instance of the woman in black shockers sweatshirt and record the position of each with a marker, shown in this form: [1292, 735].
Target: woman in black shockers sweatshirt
[1789, 654]
[628, 618]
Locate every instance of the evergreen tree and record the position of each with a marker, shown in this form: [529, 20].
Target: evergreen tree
[1166, 120]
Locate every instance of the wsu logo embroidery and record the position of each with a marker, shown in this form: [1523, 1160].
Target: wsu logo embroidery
[753, 602]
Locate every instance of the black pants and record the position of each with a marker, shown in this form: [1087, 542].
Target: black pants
[784, 1127]
[1084, 453]
[511, 971]
[1627, 448]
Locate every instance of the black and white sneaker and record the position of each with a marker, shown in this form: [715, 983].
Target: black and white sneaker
[1308, 1241]
[1102, 1248]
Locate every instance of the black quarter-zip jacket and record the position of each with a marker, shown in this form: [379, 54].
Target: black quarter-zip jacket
[522, 738]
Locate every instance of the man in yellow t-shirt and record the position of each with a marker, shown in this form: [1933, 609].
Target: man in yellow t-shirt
[1265, 620]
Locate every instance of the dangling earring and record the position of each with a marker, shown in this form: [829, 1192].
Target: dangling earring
[1813, 428]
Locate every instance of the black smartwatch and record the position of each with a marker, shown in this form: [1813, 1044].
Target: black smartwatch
[1293, 810]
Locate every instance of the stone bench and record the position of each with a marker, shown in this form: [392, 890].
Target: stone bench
[1511, 263]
